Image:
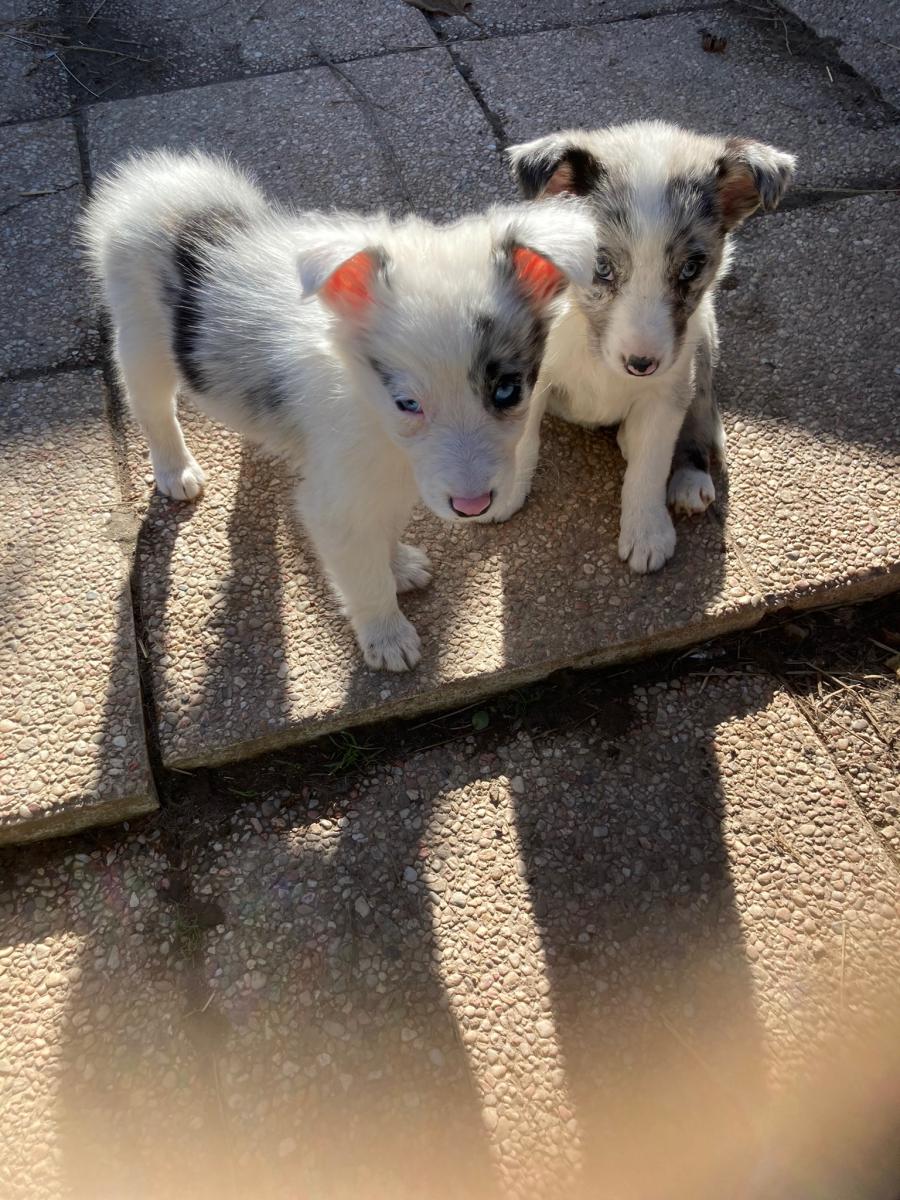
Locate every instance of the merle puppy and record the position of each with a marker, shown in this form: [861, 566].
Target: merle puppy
[389, 361]
[637, 346]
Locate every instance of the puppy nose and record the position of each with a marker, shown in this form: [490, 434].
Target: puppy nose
[635, 365]
[471, 506]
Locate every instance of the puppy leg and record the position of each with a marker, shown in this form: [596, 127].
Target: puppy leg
[691, 489]
[647, 439]
[353, 517]
[150, 380]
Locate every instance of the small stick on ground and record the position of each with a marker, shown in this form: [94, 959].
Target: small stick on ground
[75, 77]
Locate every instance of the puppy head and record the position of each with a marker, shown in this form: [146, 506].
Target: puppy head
[444, 329]
[664, 201]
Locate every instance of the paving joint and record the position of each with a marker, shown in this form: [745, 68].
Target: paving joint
[466, 74]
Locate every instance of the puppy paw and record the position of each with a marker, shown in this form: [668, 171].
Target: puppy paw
[647, 541]
[690, 491]
[184, 481]
[390, 644]
[502, 512]
[411, 568]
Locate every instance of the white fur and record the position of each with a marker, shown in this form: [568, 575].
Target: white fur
[288, 369]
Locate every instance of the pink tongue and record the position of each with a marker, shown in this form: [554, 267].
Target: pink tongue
[471, 506]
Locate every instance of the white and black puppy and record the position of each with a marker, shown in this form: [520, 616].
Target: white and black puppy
[637, 347]
[388, 360]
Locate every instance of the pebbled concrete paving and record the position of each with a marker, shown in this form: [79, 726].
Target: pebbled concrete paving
[72, 749]
[48, 319]
[398, 132]
[32, 82]
[865, 34]
[657, 945]
[100, 1090]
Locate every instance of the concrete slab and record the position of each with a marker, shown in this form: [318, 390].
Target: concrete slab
[44, 303]
[865, 34]
[71, 727]
[405, 131]
[658, 68]
[181, 43]
[809, 379]
[32, 81]
[102, 1094]
[638, 950]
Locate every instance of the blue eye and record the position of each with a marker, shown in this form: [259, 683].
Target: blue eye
[507, 392]
[409, 406]
[603, 269]
[690, 269]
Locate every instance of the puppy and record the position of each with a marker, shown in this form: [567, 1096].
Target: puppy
[637, 347]
[386, 360]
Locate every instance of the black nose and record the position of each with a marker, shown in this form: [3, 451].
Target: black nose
[641, 366]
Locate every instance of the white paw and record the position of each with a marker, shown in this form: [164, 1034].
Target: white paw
[411, 568]
[647, 540]
[503, 511]
[182, 482]
[390, 644]
[690, 491]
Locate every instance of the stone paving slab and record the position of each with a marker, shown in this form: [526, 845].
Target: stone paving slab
[866, 34]
[32, 84]
[72, 748]
[657, 68]
[809, 380]
[180, 43]
[411, 134]
[635, 951]
[100, 1092]
[247, 651]
[46, 311]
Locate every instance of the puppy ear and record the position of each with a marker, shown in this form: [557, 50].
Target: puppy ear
[553, 166]
[348, 287]
[547, 246]
[751, 175]
[538, 277]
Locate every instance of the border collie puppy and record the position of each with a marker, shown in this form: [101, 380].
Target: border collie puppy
[389, 361]
[637, 346]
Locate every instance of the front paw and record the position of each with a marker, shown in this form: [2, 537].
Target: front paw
[389, 643]
[179, 481]
[647, 540]
[690, 491]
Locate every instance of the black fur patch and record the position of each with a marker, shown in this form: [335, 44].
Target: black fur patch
[503, 347]
[535, 171]
[192, 241]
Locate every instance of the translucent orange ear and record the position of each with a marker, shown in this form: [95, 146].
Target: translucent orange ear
[539, 278]
[348, 289]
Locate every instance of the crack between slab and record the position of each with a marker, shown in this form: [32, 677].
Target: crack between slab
[466, 74]
[800, 198]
